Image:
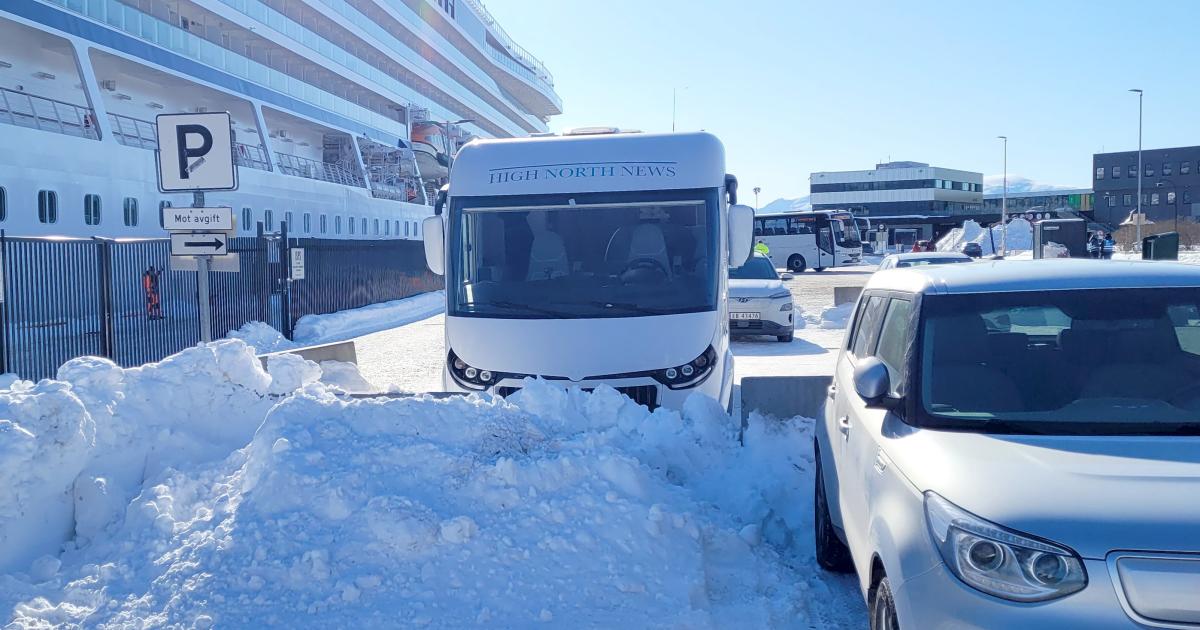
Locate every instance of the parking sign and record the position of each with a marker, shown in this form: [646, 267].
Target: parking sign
[195, 152]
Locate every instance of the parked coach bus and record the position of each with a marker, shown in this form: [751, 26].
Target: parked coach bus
[589, 258]
[810, 240]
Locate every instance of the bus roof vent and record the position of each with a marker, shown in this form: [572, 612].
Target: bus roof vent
[591, 131]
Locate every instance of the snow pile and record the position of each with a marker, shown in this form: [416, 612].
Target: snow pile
[557, 507]
[838, 316]
[75, 450]
[264, 338]
[313, 329]
[1020, 237]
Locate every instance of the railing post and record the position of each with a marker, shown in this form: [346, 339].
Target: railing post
[285, 265]
[104, 268]
[5, 305]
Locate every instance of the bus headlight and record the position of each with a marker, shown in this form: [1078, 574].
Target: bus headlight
[689, 374]
[1000, 561]
[468, 376]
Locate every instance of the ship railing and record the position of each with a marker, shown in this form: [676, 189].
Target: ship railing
[531, 65]
[323, 171]
[251, 156]
[134, 132]
[38, 112]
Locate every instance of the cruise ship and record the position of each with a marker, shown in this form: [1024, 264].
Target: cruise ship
[346, 113]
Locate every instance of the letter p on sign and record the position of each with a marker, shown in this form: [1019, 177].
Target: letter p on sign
[195, 152]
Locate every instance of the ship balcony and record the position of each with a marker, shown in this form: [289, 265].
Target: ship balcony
[142, 134]
[38, 112]
[313, 169]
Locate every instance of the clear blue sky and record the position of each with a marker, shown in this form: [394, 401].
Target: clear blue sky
[793, 86]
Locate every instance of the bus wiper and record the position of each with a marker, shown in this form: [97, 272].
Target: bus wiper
[516, 306]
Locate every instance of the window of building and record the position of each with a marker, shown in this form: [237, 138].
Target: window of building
[1145, 198]
[337, 224]
[91, 209]
[1099, 172]
[1167, 168]
[1149, 171]
[323, 222]
[268, 221]
[131, 212]
[1127, 200]
[1116, 172]
[1185, 168]
[352, 223]
[162, 212]
[1112, 202]
[47, 206]
[247, 220]
[1171, 197]
[3, 204]
[1154, 199]
[1187, 196]
[307, 222]
[376, 227]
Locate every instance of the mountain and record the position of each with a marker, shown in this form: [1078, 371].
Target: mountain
[786, 205]
[994, 185]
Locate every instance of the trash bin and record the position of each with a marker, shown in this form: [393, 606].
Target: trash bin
[1161, 247]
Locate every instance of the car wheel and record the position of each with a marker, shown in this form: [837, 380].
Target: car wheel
[832, 553]
[797, 263]
[788, 337]
[883, 607]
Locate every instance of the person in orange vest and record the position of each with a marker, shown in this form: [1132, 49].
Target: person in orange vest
[150, 285]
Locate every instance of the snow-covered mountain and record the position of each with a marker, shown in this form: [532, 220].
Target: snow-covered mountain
[786, 205]
[994, 185]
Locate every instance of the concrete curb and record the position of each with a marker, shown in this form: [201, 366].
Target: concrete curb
[784, 396]
[340, 351]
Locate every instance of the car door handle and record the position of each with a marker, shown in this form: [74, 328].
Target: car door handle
[832, 391]
[844, 426]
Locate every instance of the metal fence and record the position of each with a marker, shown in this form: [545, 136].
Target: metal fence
[65, 298]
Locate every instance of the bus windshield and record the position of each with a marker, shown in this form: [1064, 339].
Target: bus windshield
[845, 230]
[585, 261]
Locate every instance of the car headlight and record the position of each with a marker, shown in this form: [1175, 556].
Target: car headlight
[781, 295]
[689, 374]
[785, 308]
[470, 377]
[1000, 561]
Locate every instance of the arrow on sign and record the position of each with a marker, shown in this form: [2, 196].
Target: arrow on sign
[216, 244]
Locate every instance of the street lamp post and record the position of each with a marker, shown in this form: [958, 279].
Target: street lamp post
[1140, 172]
[1004, 205]
[756, 191]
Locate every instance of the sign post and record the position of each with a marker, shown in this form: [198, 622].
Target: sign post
[195, 153]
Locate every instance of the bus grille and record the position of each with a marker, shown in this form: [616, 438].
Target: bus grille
[646, 395]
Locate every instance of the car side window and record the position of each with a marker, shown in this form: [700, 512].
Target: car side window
[894, 341]
[866, 329]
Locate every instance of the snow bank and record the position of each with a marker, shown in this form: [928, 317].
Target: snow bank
[264, 338]
[1020, 237]
[313, 329]
[838, 316]
[556, 507]
[75, 450]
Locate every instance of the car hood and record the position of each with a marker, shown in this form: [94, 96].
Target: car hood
[581, 348]
[1093, 494]
[755, 288]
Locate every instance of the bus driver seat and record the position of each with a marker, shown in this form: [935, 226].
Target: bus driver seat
[547, 254]
[647, 242]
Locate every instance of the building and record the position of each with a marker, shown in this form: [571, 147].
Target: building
[1170, 184]
[899, 188]
[1056, 202]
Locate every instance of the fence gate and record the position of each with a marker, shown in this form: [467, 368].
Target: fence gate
[152, 310]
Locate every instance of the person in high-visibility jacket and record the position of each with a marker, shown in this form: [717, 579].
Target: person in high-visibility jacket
[762, 248]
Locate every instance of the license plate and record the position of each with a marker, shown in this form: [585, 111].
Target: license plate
[745, 316]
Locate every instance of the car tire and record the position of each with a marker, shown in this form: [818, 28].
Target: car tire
[797, 263]
[882, 607]
[832, 553]
[788, 337]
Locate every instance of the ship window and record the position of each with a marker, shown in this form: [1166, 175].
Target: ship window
[162, 206]
[268, 221]
[387, 227]
[376, 227]
[131, 212]
[323, 222]
[307, 222]
[406, 228]
[287, 219]
[3, 204]
[91, 209]
[398, 228]
[364, 226]
[351, 225]
[47, 206]
[337, 224]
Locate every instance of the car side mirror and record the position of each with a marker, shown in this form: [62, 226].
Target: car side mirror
[873, 384]
[787, 277]
[741, 234]
[434, 230]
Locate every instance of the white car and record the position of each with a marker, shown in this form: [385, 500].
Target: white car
[1017, 445]
[921, 259]
[759, 301]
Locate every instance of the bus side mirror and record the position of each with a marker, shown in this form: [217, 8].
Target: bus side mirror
[741, 234]
[434, 230]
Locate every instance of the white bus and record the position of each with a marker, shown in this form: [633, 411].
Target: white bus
[810, 240]
[587, 259]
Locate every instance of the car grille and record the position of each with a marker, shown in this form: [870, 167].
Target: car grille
[746, 324]
[641, 394]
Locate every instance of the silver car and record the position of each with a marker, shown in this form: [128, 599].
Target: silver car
[921, 259]
[1017, 445]
[759, 301]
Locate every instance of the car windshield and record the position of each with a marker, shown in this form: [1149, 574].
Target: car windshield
[1078, 361]
[921, 262]
[583, 261]
[756, 268]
